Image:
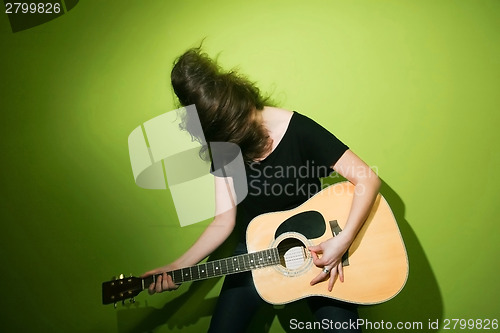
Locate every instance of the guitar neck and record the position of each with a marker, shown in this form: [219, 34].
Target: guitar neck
[231, 265]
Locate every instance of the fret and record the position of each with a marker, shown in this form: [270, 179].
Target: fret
[203, 270]
[227, 264]
[210, 269]
[260, 259]
[246, 260]
[147, 281]
[253, 261]
[265, 259]
[217, 271]
[241, 266]
[195, 272]
[250, 261]
[177, 276]
[237, 264]
[250, 264]
[234, 263]
[186, 274]
[223, 266]
[269, 257]
[275, 255]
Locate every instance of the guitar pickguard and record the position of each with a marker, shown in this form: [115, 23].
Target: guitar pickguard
[310, 224]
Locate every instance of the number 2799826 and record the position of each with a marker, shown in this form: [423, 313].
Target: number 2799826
[32, 8]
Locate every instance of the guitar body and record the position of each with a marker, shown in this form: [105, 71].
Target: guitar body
[376, 265]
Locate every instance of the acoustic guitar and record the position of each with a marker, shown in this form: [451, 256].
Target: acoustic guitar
[375, 265]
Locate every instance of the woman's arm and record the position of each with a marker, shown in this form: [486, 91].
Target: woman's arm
[367, 185]
[211, 238]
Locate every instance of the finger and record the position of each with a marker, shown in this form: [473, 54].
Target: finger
[315, 248]
[151, 289]
[317, 260]
[171, 284]
[333, 276]
[341, 272]
[320, 277]
[164, 282]
[159, 281]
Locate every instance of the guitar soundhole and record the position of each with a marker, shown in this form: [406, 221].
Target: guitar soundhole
[294, 256]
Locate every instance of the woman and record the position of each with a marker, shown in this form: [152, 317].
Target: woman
[231, 109]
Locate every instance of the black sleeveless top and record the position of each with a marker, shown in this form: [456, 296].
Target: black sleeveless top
[290, 174]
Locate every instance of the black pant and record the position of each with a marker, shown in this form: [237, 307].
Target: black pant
[239, 301]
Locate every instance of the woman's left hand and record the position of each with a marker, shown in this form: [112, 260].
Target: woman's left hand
[331, 252]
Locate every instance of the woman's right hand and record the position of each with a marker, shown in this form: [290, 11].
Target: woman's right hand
[164, 281]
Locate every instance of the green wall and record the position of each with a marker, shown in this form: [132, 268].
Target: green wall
[411, 86]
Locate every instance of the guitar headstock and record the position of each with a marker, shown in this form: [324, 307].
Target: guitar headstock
[121, 289]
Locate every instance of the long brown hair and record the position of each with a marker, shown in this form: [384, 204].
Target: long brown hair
[226, 103]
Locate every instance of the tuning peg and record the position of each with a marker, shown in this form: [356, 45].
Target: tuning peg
[117, 277]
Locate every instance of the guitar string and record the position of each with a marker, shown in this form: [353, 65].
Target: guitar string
[281, 254]
[247, 266]
[225, 272]
[294, 257]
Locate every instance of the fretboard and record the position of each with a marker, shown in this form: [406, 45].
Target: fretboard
[231, 265]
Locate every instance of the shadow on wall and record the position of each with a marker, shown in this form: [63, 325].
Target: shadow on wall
[181, 312]
[419, 301]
